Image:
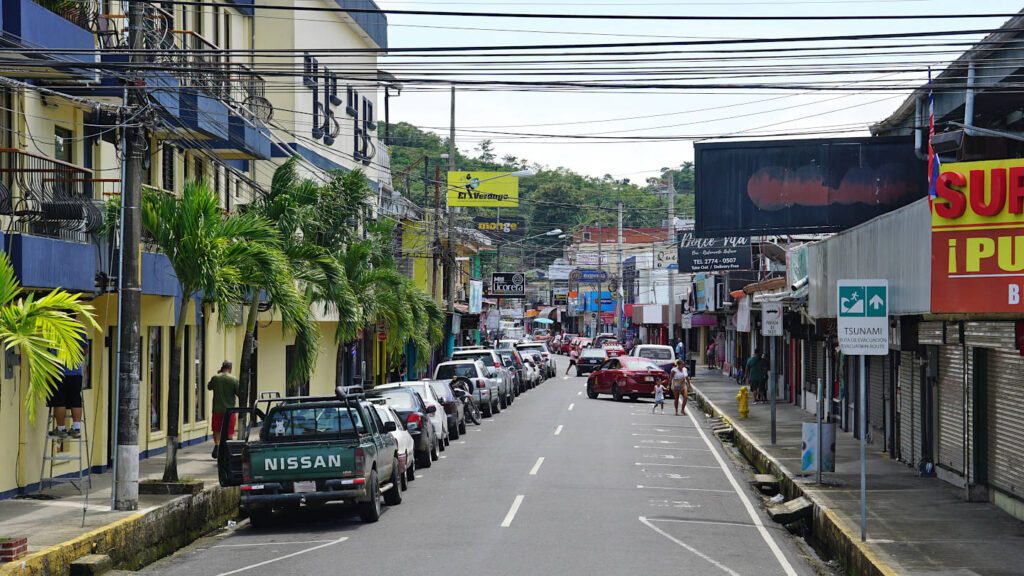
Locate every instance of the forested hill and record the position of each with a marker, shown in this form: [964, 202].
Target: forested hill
[554, 198]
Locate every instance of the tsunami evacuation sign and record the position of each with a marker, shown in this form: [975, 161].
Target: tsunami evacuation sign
[862, 308]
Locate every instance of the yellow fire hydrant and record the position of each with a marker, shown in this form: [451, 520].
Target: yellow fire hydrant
[744, 399]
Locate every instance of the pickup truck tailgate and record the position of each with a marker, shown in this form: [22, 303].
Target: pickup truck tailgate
[301, 461]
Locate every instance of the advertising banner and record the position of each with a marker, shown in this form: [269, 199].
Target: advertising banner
[559, 296]
[743, 315]
[508, 228]
[559, 271]
[809, 457]
[588, 276]
[978, 237]
[665, 256]
[591, 258]
[803, 186]
[507, 285]
[705, 292]
[713, 254]
[476, 296]
[483, 189]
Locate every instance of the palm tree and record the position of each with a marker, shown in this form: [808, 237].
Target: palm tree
[46, 329]
[210, 254]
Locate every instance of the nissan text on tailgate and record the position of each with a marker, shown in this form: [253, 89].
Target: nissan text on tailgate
[310, 451]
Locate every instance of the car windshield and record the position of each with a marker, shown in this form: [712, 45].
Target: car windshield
[397, 399]
[450, 371]
[294, 422]
[655, 353]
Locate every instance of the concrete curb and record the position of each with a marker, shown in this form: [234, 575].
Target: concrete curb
[841, 541]
[139, 539]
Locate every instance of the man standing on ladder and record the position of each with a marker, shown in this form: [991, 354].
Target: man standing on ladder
[68, 395]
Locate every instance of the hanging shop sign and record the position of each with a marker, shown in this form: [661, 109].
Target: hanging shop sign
[507, 228]
[978, 237]
[483, 189]
[508, 285]
[713, 254]
[476, 296]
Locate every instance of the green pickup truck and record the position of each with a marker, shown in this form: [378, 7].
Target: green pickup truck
[307, 451]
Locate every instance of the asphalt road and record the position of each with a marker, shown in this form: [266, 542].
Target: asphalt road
[557, 484]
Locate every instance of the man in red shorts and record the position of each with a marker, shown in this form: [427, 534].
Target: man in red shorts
[225, 391]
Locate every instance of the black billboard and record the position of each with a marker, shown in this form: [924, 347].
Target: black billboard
[714, 254]
[507, 285]
[803, 186]
[509, 227]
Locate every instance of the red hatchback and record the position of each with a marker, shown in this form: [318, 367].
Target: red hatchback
[626, 376]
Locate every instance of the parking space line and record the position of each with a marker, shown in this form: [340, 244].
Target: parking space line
[571, 406]
[512, 511]
[536, 467]
[285, 557]
[783, 561]
[702, 555]
[558, 430]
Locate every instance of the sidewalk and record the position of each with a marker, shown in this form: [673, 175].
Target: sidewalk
[54, 526]
[915, 525]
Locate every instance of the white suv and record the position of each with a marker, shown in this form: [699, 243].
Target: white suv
[484, 378]
[506, 388]
[542, 347]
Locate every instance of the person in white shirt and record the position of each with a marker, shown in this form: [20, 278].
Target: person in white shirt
[680, 385]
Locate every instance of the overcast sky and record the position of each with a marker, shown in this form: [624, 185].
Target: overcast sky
[679, 113]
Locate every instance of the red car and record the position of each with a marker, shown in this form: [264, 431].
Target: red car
[626, 376]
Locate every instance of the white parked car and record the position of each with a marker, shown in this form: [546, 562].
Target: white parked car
[485, 380]
[532, 369]
[438, 418]
[548, 365]
[406, 447]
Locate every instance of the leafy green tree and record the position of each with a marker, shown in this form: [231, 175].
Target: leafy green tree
[45, 329]
[211, 253]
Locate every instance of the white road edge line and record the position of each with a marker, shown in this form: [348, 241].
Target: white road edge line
[512, 511]
[285, 557]
[642, 487]
[571, 405]
[674, 465]
[270, 543]
[558, 430]
[536, 467]
[786, 566]
[707, 558]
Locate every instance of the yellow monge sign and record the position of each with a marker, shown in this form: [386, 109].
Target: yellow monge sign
[483, 189]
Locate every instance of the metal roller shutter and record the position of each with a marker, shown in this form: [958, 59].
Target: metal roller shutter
[930, 333]
[989, 334]
[951, 408]
[1005, 415]
[876, 387]
[909, 408]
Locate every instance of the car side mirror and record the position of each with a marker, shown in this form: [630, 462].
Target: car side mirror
[390, 426]
[431, 409]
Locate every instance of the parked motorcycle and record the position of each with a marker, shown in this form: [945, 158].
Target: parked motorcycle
[461, 387]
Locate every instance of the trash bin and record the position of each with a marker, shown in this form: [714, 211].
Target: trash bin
[691, 367]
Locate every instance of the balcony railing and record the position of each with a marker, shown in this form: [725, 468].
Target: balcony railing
[49, 197]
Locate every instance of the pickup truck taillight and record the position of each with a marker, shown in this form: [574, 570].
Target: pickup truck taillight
[497, 365]
[359, 459]
[413, 421]
[481, 384]
[246, 476]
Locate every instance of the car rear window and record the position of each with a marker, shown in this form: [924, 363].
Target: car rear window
[484, 357]
[655, 353]
[449, 371]
[397, 399]
[593, 353]
[639, 364]
[301, 423]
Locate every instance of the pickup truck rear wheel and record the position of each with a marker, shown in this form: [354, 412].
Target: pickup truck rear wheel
[393, 497]
[369, 511]
[259, 518]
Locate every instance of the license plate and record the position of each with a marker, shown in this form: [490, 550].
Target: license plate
[649, 379]
[305, 486]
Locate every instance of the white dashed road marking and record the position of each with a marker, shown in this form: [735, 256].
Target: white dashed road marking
[558, 430]
[512, 511]
[536, 467]
[571, 405]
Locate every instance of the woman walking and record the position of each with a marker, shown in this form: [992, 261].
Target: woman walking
[680, 385]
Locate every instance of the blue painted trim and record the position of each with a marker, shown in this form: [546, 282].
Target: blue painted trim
[30, 24]
[317, 160]
[41, 262]
[243, 6]
[374, 25]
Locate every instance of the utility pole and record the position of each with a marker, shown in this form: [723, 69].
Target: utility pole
[672, 241]
[126, 475]
[435, 240]
[600, 270]
[451, 231]
[622, 279]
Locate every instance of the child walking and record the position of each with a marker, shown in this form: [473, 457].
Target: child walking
[659, 397]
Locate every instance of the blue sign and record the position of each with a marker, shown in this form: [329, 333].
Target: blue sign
[590, 302]
[588, 276]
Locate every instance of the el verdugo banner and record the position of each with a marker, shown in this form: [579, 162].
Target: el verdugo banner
[978, 237]
[483, 189]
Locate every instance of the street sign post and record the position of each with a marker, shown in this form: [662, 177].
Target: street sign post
[863, 322]
[771, 326]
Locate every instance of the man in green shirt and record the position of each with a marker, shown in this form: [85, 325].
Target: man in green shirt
[225, 391]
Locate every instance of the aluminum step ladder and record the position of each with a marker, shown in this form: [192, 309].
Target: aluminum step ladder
[53, 453]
